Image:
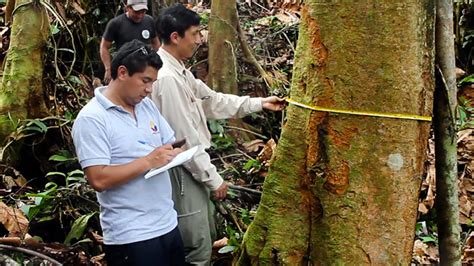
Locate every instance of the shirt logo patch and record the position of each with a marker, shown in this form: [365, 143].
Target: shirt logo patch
[153, 127]
[145, 34]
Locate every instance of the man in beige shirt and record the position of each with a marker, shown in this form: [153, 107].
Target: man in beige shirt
[187, 103]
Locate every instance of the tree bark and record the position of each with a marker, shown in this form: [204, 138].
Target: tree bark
[21, 92]
[342, 189]
[445, 101]
[157, 5]
[9, 10]
[222, 58]
[223, 46]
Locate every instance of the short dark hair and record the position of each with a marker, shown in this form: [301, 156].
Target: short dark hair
[135, 56]
[176, 18]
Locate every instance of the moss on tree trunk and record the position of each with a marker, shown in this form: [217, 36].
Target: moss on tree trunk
[21, 91]
[342, 189]
[223, 44]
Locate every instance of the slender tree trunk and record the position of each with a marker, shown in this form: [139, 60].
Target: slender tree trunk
[9, 10]
[447, 201]
[343, 189]
[223, 45]
[21, 92]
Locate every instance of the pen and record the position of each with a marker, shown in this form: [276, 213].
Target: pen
[146, 143]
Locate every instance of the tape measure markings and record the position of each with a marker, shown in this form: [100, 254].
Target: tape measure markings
[350, 112]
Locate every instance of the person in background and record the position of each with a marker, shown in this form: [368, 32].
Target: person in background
[120, 135]
[187, 103]
[134, 24]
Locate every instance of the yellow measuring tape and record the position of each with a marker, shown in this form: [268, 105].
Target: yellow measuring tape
[341, 111]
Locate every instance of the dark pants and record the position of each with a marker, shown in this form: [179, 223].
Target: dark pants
[163, 250]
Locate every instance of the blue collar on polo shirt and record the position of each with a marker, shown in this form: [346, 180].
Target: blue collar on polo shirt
[105, 102]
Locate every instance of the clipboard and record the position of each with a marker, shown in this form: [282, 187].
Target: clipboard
[178, 160]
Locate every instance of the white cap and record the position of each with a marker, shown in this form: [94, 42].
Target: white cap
[138, 5]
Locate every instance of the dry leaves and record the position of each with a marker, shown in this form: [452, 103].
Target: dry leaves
[425, 254]
[460, 73]
[468, 253]
[429, 182]
[266, 154]
[467, 92]
[465, 144]
[465, 175]
[220, 243]
[13, 220]
[466, 170]
[98, 260]
[254, 145]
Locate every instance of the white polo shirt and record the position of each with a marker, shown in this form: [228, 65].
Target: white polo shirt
[106, 134]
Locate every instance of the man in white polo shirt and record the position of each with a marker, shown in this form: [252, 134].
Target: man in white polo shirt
[115, 135]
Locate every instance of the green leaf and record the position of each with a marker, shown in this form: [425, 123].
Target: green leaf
[226, 249]
[50, 187]
[75, 79]
[60, 158]
[30, 211]
[26, 209]
[232, 194]
[96, 12]
[76, 172]
[250, 163]
[468, 79]
[47, 218]
[54, 29]
[69, 116]
[41, 126]
[66, 50]
[78, 228]
[462, 114]
[55, 173]
[213, 126]
[34, 129]
[428, 239]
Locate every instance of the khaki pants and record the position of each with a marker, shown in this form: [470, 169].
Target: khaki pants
[195, 216]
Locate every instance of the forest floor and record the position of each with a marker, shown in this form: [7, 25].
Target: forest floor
[46, 206]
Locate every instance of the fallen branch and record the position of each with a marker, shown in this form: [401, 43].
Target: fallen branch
[248, 190]
[30, 252]
[16, 241]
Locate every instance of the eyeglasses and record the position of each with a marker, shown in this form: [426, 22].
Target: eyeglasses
[142, 49]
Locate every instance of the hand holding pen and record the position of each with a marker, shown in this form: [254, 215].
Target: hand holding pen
[162, 155]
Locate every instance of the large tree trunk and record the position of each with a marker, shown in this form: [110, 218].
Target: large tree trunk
[21, 92]
[445, 101]
[343, 189]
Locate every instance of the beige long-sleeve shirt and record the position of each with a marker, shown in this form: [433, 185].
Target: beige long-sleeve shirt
[187, 103]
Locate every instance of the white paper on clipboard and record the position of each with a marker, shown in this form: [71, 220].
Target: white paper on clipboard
[178, 160]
